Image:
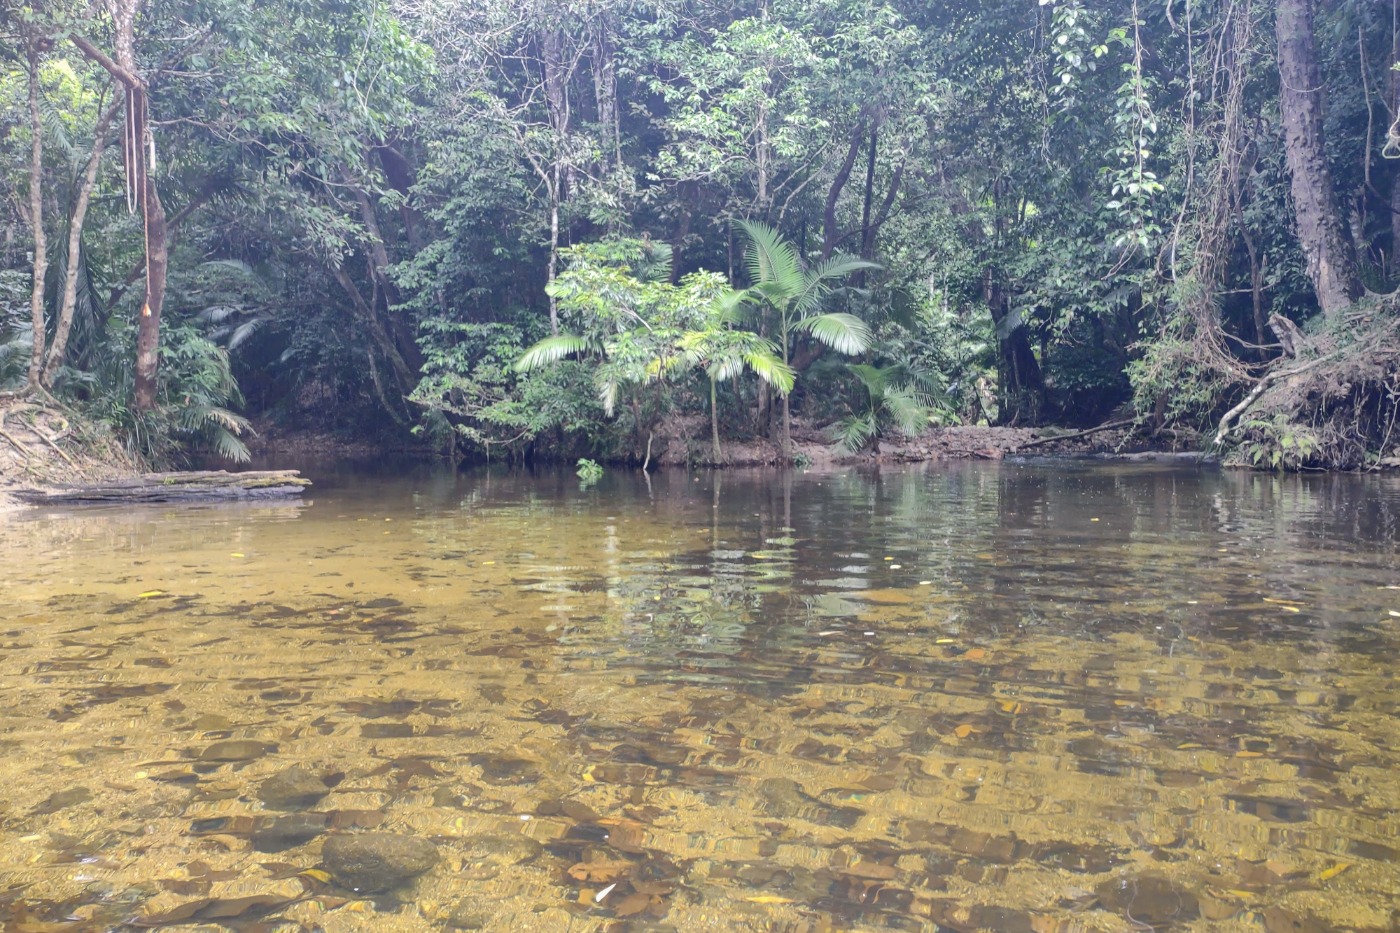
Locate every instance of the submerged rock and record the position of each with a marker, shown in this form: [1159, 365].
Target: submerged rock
[371, 863]
[288, 832]
[1149, 899]
[468, 915]
[63, 799]
[236, 750]
[294, 788]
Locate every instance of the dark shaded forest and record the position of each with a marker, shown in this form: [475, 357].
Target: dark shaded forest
[549, 229]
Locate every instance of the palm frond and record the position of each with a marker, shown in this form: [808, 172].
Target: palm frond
[731, 307]
[820, 282]
[229, 421]
[910, 416]
[855, 432]
[608, 387]
[874, 378]
[551, 350]
[56, 130]
[844, 333]
[840, 266]
[770, 259]
[243, 331]
[228, 446]
[771, 370]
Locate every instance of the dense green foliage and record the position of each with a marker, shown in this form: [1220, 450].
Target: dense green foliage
[560, 228]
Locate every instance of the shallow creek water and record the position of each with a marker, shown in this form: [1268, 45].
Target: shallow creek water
[1011, 697]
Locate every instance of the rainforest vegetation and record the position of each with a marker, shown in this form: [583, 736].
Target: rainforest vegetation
[548, 228]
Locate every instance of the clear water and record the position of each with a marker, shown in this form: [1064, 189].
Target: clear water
[1014, 697]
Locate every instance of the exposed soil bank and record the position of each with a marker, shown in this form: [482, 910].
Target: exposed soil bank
[810, 445]
[41, 446]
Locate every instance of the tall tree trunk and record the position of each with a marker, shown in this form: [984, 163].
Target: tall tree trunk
[1393, 94]
[838, 184]
[69, 302]
[36, 218]
[148, 326]
[553, 268]
[139, 148]
[379, 268]
[787, 407]
[1021, 381]
[714, 420]
[364, 312]
[604, 57]
[1326, 241]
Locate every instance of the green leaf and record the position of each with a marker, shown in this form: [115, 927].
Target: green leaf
[551, 350]
[844, 333]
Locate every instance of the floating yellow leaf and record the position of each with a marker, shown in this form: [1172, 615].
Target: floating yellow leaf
[963, 731]
[946, 641]
[236, 554]
[1185, 745]
[1010, 706]
[1334, 871]
[768, 899]
[976, 654]
[149, 593]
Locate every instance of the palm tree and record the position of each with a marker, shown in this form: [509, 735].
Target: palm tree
[897, 397]
[796, 294]
[726, 352]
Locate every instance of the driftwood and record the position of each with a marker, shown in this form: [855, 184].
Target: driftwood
[1050, 439]
[174, 487]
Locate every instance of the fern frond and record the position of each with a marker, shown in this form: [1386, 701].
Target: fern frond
[551, 350]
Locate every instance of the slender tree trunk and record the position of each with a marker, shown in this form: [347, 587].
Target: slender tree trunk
[379, 267]
[867, 230]
[36, 220]
[605, 94]
[553, 269]
[1393, 92]
[69, 301]
[157, 259]
[838, 184]
[1021, 381]
[139, 148]
[867, 201]
[714, 419]
[787, 408]
[375, 327]
[138, 268]
[762, 156]
[1326, 241]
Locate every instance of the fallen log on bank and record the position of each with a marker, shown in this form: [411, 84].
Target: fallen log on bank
[192, 486]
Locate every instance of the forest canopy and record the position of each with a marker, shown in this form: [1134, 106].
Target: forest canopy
[548, 228]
